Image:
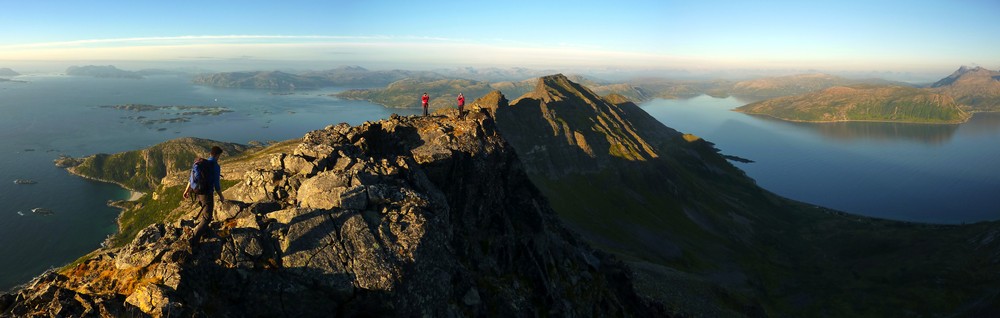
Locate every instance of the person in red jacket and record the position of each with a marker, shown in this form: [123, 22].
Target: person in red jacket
[424, 100]
[461, 104]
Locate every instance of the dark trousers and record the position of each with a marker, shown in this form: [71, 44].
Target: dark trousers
[207, 203]
[425, 110]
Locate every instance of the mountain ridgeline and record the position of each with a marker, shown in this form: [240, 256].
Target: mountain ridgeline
[443, 92]
[705, 240]
[976, 87]
[558, 203]
[950, 100]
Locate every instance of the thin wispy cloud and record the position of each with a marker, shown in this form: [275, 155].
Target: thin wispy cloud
[417, 49]
[192, 39]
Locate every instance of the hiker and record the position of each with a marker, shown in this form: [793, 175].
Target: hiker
[204, 180]
[461, 104]
[423, 102]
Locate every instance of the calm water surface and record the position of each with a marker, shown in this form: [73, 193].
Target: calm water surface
[912, 172]
[52, 115]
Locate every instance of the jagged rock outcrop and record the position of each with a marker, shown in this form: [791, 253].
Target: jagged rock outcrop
[428, 216]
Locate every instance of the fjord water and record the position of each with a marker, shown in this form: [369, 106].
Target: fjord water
[910, 172]
[53, 115]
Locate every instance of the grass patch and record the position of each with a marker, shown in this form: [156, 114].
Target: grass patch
[144, 212]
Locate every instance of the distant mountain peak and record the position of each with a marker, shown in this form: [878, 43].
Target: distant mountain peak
[964, 71]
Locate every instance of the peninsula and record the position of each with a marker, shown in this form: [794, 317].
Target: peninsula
[863, 103]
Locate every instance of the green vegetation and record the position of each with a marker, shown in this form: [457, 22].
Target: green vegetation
[863, 103]
[976, 88]
[706, 240]
[141, 213]
[142, 170]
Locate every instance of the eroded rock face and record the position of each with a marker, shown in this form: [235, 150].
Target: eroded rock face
[410, 216]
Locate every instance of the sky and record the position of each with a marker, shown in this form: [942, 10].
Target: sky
[848, 35]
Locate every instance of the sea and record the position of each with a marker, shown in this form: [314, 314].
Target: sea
[919, 173]
[910, 172]
[43, 117]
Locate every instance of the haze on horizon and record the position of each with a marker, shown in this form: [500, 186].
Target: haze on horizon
[895, 38]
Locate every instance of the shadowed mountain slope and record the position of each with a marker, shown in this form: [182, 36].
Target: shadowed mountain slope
[705, 240]
[428, 216]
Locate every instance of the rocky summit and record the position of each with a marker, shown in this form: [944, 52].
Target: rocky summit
[409, 216]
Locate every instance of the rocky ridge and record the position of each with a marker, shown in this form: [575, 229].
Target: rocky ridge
[404, 217]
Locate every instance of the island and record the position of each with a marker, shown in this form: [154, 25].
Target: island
[351, 76]
[6, 71]
[105, 71]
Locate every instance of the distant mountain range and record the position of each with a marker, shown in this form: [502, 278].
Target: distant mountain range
[102, 71]
[970, 90]
[770, 87]
[950, 100]
[353, 76]
[401, 93]
[443, 92]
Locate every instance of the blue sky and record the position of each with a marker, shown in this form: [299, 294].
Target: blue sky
[897, 36]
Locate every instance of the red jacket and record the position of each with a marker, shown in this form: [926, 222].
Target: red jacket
[424, 100]
[461, 101]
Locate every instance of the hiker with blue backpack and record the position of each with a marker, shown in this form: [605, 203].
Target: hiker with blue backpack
[204, 180]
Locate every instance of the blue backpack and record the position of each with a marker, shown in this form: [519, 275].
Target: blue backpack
[200, 176]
